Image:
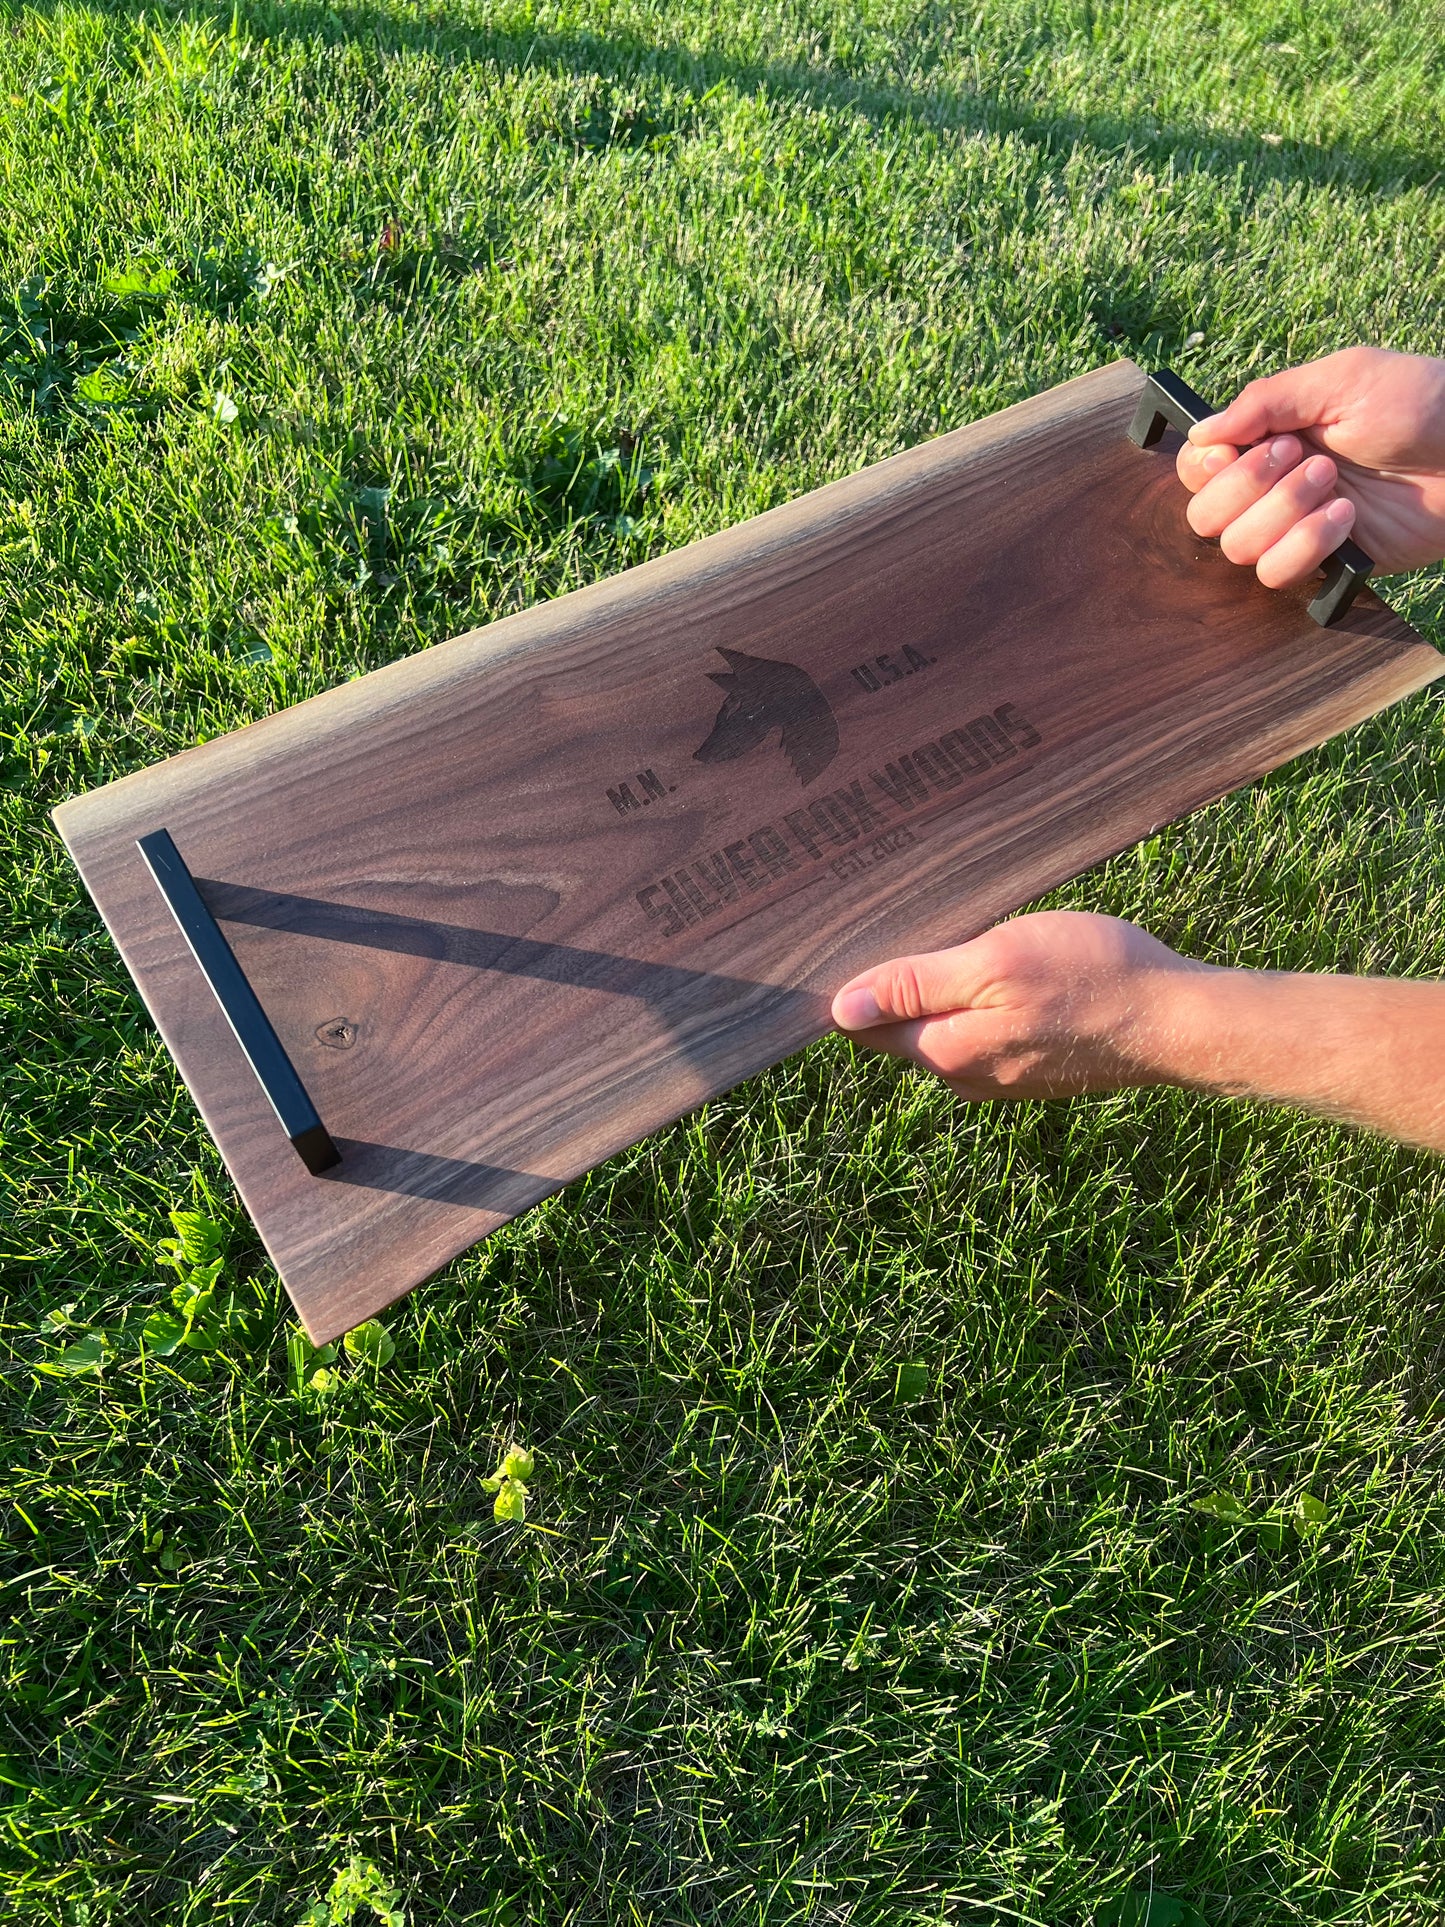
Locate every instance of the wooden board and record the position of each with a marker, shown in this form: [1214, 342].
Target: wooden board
[524, 897]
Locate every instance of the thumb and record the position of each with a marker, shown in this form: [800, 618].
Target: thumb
[907, 988]
[1307, 397]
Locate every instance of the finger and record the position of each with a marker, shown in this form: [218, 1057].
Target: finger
[982, 1057]
[963, 1047]
[1196, 466]
[1241, 484]
[1271, 518]
[1305, 397]
[893, 1039]
[910, 987]
[1297, 554]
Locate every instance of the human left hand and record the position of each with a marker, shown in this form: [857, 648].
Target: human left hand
[1352, 443]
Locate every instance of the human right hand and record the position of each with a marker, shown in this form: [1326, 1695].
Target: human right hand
[1351, 444]
[1061, 1003]
[1054, 1004]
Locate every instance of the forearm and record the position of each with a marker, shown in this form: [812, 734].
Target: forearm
[1365, 1050]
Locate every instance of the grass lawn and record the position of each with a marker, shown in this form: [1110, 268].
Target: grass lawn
[865, 1578]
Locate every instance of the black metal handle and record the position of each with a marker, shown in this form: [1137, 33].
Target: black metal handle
[240, 1005]
[1168, 400]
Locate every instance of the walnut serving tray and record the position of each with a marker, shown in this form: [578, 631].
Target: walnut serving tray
[507, 906]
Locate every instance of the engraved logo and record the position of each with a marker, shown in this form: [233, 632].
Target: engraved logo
[763, 696]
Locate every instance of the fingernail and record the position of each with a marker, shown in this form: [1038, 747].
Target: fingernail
[1319, 470]
[1340, 511]
[1214, 459]
[1281, 451]
[856, 1009]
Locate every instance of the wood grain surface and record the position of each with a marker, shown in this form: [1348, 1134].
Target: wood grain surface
[524, 897]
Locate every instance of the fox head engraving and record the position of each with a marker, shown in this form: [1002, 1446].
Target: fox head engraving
[763, 696]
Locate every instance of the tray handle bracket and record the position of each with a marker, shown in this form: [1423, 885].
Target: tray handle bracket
[240, 1006]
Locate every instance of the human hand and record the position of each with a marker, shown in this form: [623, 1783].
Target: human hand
[1048, 1005]
[1351, 444]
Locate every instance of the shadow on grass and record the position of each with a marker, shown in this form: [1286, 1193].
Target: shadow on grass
[632, 60]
